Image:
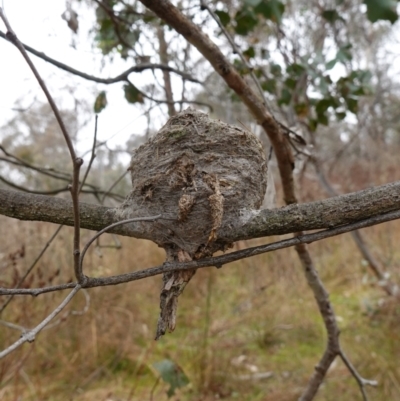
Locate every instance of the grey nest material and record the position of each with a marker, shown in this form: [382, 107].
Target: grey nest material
[199, 173]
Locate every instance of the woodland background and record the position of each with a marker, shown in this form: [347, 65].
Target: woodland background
[249, 331]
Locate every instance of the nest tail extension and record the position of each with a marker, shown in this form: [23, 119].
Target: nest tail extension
[173, 285]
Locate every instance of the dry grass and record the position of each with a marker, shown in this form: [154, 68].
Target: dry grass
[252, 316]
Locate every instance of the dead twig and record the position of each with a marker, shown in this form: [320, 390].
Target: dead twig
[107, 81]
[30, 335]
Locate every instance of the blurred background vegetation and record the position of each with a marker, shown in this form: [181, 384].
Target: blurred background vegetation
[250, 331]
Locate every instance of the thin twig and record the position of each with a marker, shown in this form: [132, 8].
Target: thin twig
[12, 37]
[112, 186]
[29, 336]
[22, 279]
[93, 154]
[72, 312]
[119, 223]
[107, 81]
[360, 380]
[12, 325]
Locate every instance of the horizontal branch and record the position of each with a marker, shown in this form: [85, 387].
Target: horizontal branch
[217, 261]
[327, 213]
[107, 81]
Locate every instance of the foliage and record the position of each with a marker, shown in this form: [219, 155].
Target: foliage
[172, 374]
[320, 88]
[100, 102]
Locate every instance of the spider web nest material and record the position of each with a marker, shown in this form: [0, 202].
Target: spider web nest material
[200, 174]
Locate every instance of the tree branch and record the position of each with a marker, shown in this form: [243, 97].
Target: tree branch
[217, 261]
[327, 213]
[31, 334]
[107, 81]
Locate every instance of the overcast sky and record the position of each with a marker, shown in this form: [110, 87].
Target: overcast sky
[39, 25]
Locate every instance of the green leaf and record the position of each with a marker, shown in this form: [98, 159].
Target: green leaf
[172, 374]
[301, 109]
[133, 94]
[249, 53]
[352, 104]
[331, 15]
[381, 10]
[290, 83]
[313, 123]
[269, 86]
[323, 86]
[322, 119]
[340, 115]
[271, 9]
[224, 17]
[240, 66]
[100, 103]
[252, 3]
[323, 105]
[330, 64]
[276, 69]
[265, 54]
[344, 53]
[246, 20]
[286, 96]
[295, 69]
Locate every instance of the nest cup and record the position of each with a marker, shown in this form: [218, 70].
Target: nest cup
[198, 173]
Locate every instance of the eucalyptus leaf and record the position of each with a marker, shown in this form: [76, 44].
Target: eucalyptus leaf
[172, 374]
[223, 17]
[133, 94]
[100, 103]
[382, 10]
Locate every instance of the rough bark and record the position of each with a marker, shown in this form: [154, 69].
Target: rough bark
[164, 59]
[328, 213]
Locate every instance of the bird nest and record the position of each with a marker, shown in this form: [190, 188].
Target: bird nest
[199, 174]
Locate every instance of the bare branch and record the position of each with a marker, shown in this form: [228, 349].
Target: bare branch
[22, 279]
[163, 50]
[331, 212]
[108, 81]
[217, 261]
[92, 156]
[360, 380]
[12, 37]
[47, 171]
[29, 336]
[51, 172]
[107, 191]
[72, 312]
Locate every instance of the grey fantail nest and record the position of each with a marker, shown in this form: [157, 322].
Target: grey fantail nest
[199, 174]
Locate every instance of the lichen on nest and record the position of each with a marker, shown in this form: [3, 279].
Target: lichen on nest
[200, 173]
